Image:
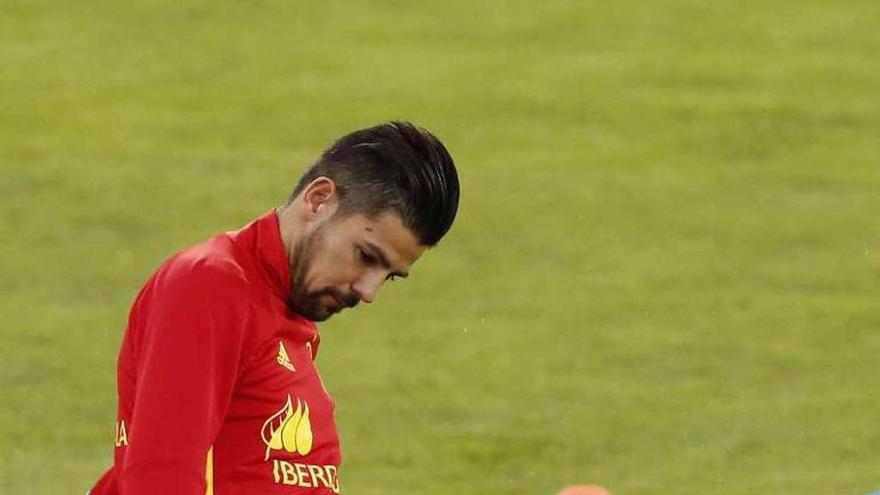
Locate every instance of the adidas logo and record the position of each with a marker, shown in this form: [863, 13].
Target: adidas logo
[283, 359]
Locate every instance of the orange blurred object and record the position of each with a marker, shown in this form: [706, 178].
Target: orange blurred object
[584, 490]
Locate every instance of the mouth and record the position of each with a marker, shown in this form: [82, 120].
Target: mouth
[340, 304]
[337, 303]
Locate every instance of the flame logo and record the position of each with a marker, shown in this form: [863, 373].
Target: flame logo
[289, 429]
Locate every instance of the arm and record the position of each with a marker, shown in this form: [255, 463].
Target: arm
[192, 336]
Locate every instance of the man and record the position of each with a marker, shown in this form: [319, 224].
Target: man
[218, 390]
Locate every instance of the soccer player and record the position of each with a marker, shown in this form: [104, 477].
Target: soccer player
[217, 385]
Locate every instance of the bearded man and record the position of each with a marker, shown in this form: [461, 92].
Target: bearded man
[217, 385]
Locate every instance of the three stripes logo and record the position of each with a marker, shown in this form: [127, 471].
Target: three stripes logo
[283, 359]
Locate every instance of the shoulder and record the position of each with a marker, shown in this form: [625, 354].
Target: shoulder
[207, 272]
[199, 296]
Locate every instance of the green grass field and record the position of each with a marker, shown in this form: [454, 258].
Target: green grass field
[664, 277]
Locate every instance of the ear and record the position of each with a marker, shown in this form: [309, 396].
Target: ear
[320, 198]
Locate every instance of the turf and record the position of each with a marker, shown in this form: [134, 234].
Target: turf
[664, 277]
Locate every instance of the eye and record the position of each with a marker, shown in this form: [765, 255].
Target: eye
[367, 258]
[391, 277]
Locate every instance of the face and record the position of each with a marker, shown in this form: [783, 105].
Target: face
[347, 259]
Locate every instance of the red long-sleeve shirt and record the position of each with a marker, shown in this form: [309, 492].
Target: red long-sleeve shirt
[217, 385]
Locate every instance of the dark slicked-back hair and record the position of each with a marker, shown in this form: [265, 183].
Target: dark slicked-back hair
[396, 167]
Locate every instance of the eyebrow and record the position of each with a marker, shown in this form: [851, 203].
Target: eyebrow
[383, 258]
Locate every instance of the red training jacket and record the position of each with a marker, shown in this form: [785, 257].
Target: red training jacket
[217, 385]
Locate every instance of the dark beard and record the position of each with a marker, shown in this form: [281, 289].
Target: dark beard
[308, 304]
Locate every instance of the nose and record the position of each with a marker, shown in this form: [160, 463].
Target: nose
[367, 286]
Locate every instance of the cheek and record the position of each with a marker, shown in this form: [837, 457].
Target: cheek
[331, 268]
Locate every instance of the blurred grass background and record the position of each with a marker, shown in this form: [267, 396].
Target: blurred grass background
[663, 279]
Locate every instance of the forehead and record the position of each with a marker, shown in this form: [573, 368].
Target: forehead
[387, 232]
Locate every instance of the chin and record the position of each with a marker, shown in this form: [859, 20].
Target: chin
[313, 310]
[321, 314]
